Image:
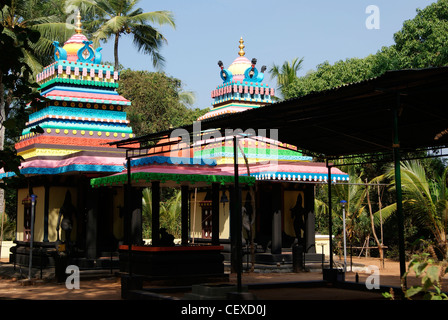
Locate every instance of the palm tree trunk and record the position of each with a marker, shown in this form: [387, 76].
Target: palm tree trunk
[117, 36]
[380, 246]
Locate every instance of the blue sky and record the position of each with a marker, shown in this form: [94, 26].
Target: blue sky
[273, 31]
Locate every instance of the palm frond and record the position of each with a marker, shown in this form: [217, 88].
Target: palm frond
[161, 18]
[384, 214]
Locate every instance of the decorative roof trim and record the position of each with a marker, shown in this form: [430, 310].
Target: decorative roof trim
[147, 177]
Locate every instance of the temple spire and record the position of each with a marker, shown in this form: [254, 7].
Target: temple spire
[241, 46]
[78, 23]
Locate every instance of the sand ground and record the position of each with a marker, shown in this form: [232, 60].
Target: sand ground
[108, 286]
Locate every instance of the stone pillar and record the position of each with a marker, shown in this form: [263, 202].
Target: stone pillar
[276, 244]
[136, 219]
[92, 224]
[46, 210]
[310, 220]
[155, 228]
[184, 214]
[233, 245]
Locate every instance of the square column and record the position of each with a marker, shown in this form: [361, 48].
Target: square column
[184, 214]
[155, 228]
[215, 214]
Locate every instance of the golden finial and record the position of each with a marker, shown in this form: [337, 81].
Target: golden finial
[241, 46]
[78, 23]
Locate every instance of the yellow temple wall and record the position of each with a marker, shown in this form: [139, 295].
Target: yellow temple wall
[39, 213]
[56, 199]
[289, 201]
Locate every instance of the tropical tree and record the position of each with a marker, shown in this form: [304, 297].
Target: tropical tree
[158, 101]
[286, 73]
[328, 76]
[170, 212]
[421, 41]
[117, 18]
[419, 44]
[362, 217]
[47, 17]
[425, 200]
[16, 40]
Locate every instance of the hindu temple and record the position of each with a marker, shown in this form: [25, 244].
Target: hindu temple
[277, 181]
[85, 174]
[64, 145]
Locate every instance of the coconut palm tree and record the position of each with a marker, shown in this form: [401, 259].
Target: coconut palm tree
[117, 18]
[361, 217]
[32, 14]
[287, 73]
[426, 200]
[170, 213]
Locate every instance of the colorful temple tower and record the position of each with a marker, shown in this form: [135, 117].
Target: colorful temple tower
[64, 145]
[242, 87]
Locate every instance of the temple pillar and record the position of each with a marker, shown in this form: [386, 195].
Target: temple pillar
[276, 244]
[92, 224]
[215, 214]
[46, 210]
[277, 216]
[155, 228]
[310, 220]
[136, 216]
[184, 214]
[233, 246]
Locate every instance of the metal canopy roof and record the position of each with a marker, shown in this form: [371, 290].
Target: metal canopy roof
[358, 118]
[400, 110]
[352, 119]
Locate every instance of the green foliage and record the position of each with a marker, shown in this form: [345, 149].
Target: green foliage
[425, 201]
[15, 87]
[156, 100]
[421, 43]
[47, 18]
[327, 76]
[357, 215]
[170, 212]
[117, 18]
[9, 228]
[430, 274]
[287, 73]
